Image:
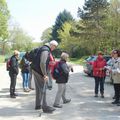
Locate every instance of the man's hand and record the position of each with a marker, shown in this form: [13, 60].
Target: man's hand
[45, 77]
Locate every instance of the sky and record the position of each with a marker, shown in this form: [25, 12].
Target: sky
[34, 16]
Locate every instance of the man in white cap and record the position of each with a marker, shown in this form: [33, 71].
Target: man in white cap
[40, 72]
[13, 72]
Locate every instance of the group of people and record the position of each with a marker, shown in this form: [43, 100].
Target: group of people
[99, 72]
[42, 71]
[42, 76]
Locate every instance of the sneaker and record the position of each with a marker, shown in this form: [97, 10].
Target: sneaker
[57, 106]
[31, 88]
[66, 101]
[26, 90]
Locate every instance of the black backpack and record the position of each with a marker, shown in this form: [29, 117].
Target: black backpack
[32, 54]
[34, 57]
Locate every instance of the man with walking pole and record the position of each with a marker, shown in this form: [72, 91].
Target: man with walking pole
[40, 72]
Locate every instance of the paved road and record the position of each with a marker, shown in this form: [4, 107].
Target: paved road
[82, 107]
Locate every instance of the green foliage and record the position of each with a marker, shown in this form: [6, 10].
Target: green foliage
[63, 17]
[20, 40]
[46, 35]
[4, 16]
[80, 61]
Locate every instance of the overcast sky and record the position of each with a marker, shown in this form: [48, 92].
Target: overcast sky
[34, 16]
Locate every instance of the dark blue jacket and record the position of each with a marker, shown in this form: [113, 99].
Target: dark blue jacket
[64, 74]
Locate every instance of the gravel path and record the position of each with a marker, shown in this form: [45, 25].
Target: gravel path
[84, 106]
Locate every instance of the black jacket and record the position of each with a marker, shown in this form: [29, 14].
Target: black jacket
[14, 65]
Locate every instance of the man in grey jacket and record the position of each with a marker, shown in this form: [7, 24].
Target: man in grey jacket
[41, 77]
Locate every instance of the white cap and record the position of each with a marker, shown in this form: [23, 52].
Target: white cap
[53, 42]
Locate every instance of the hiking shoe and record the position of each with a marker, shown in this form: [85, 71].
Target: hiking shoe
[12, 96]
[113, 97]
[57, 106]
[38, 107]
[96, 95]
[115, 102]
[66, 101]
[48, 109]
[15, 94]
[102, 96]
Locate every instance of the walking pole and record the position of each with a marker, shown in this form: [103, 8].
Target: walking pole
[42, 96]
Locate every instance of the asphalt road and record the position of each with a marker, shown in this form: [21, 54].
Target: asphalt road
[80, 88]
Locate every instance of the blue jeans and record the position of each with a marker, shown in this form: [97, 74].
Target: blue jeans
[99, 81]
[26, 77]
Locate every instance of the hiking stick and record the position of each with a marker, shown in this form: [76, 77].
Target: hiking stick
[42, 96]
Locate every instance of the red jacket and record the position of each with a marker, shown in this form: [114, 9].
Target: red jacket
[52, 62]
[98, 67]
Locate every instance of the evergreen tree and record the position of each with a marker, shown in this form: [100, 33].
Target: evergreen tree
[93, 16]
[63, 17]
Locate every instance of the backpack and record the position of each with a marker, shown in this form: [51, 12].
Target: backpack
[34, 57]
[32, 54]
[8, 64]
[57, 70]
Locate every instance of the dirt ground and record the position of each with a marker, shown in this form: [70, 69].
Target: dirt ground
[80, 88]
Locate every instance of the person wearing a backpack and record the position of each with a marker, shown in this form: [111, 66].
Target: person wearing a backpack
[40, 72]
[25, 70]
[62, 80]
[13, 72]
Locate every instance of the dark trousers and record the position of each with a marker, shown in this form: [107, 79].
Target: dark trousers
[99, 81]
[117, 92]
[13, 78]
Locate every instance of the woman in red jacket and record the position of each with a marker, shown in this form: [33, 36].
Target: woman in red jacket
[99, 74]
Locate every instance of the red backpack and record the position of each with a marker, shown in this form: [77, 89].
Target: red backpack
[8, 64]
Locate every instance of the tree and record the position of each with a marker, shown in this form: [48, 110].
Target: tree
[20, 40]
[114, 24]
[46, 35]
[93, 17]
[63, 17]
[4, 16]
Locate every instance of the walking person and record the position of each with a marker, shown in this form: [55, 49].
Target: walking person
[13, 72]
[116, 76]
[25, 70]
[61, 81]
[99, 74]
[40, 72]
